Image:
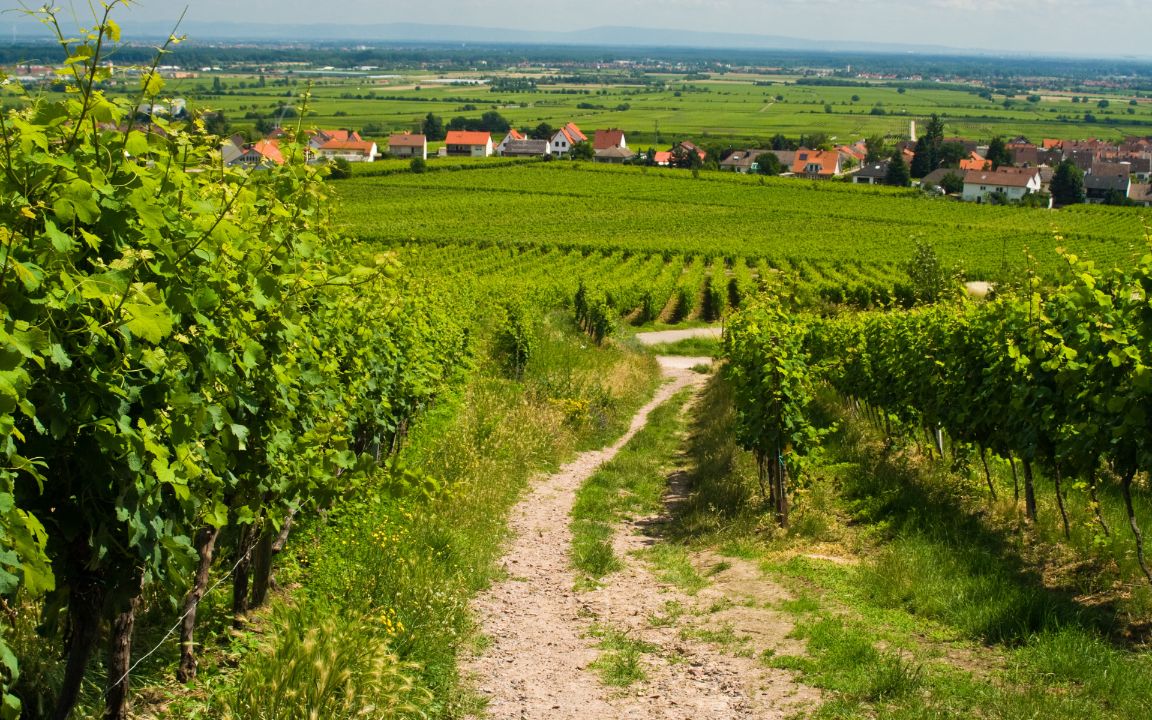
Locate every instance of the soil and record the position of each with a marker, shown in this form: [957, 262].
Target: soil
[703, 648]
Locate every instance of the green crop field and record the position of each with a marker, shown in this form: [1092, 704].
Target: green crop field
[575, 205]
[660, 109]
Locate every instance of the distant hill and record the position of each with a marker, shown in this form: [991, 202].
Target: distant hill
[423, 33]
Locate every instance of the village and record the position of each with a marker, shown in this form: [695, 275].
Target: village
[1002, 171]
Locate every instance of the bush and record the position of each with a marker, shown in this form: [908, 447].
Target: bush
[418, 165]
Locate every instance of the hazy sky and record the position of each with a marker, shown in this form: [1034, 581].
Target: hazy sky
[1100, 27]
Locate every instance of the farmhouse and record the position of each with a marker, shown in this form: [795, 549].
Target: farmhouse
[566, 137]
[350, 150]
[741, 161]
[615, 155]
[611, 138]
[978, 184]
[873, 174]
[468, 143]
[817, 163]
[513, 134]
[317, 138]
[407, 145]
[261, 153]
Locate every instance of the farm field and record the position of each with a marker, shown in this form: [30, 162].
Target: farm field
[567, 205]
[658, 109]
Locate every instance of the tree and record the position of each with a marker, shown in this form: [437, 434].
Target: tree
[951, 153]
[582, 151]
[998, 153]
[930, 281]
[1068, 184]
[418, 165]
[432, 127]
[874, 149]
[768, 164]
[952, 183]
[779, 142]
[927, 152]
[897, 174]
[494, 122]
[685, 158]
[543, 131]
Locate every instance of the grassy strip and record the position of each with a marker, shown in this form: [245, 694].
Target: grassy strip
[620, 664]
[633, 482]
[945, 613]
[691, 347]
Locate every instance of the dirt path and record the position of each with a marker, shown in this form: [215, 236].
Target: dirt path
[671, 336]
[537, 665]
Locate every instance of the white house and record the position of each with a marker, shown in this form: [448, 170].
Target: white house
[408, 145]
[978, 184]
[512, 136]
[566, 137]
[468, 143]
[350, 150]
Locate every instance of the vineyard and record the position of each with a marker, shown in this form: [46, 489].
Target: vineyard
[717, 215]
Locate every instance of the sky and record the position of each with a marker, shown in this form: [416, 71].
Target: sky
[1105, 28]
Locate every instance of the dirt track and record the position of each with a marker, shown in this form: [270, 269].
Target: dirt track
[537, 665]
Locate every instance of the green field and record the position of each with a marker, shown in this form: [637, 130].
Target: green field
[661, 109]
[573, 205]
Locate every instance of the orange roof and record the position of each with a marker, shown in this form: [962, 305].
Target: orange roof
[662, 157]
[362, 145]
[1049, 143]
[973, 162]
[828, 160]
[338, 134]
[467, 137]
[515, 134]
[407, 140]
[573, 134]
[270, 149]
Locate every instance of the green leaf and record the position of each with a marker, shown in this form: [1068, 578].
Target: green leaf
[148, 321]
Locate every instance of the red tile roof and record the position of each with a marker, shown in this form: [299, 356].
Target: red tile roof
[270, 149]
[828, 160]
[407, 140]
[608, 138]
[364, 146]
[515, 134]
[973, 162]
[467, 137]
[573, 134]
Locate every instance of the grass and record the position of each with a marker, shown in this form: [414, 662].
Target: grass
[621, 660]
[397, 575]
[947, 614]
[691, 347]
[632, 483]
[672, 564]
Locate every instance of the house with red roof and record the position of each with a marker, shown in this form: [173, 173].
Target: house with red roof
[408, 145]
[817, 163]
[468, 143]
[974, 161]
[319, 137]
[350, 150]
[1014, 183]
[566, 137]
[610, 138]
[261, 153]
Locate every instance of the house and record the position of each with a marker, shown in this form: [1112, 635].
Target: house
[817, 163]
[407, 145]
[742, 161]
[611, 138]
[319, 137]
[1098, 188]
[1140, 193]
[261, 153]
[690, 146]
[974, 161]
[872, 174]
[468, 143]
[978, 184]
[526, 147]
[615, 155]
[513, 134]
[350, 150]
[663, 158]
[566, 137]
